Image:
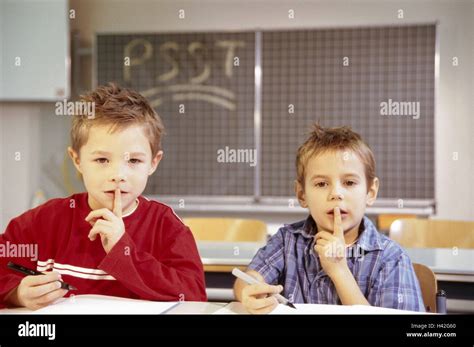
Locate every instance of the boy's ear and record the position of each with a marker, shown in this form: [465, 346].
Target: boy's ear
[299, 192]
[372, 193]
[75, 159]
[155, 161]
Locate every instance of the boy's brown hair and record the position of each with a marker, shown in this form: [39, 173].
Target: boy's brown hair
[120, 108]
[340, 138]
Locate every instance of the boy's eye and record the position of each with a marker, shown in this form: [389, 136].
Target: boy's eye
[135, 161]
[101, 160]
[351, 183]
[320, 184]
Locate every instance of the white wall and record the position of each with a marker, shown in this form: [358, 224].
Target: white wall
[454, 122]
[20, 147]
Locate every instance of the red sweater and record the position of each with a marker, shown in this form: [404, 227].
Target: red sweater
[156, 258]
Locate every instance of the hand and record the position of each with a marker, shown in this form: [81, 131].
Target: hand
[258, 299]
[108, 224]
[331, 247]
[35, 292]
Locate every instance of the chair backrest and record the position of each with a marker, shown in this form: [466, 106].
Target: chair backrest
[227, 229]
[384, 221]
[432, 233]
[428, 285]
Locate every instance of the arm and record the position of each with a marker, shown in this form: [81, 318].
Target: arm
[267, 266]
[257, 298]
[239, 285]
[32, 292]
[18, 232]
[173, 273]
[331, 248]
[347, 288]
[396, 285]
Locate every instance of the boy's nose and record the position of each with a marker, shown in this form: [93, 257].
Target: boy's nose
[117, 173]
[118, 176]
[336, 194]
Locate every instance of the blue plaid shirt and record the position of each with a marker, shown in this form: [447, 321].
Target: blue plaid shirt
[380, 267]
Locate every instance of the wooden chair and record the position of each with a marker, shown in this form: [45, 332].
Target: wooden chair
[428, 285]
[432, 233]
[227, 230]
[384, 221]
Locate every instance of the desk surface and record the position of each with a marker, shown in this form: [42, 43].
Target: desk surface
[444, 260]
[103, 305]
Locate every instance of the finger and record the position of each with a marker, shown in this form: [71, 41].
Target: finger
[32, 281]
[102, 223]
[97, 230]
[320, 250]
[264, 310]
[117, 203]
[93, 232]
[38, 291]
[50, 297]
[262, 288]
[101, 213]
[338, 231]
[257, 304]
[324, 235]
[322, 242]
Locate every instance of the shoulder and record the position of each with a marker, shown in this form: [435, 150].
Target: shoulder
[393, 255]
[165, 213]
[289, 234]
[382, 247]
[52, 207]
[392, 251]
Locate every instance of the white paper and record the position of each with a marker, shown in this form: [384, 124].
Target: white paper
[238, 308]
[101, 304]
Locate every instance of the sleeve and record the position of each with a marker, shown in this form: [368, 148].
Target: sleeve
[397, 286]
[17, 238]
[270, 259]
[173, 273]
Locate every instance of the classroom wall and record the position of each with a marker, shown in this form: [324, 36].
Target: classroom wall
[37, 130]
[20, 148]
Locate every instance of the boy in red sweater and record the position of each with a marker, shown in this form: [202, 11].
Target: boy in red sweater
[109, 240]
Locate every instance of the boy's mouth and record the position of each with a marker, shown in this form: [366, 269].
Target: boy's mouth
[112, 192]
[343, 212]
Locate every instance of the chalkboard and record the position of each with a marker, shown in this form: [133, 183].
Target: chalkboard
[202, 86]
[379, 80]
[341, 77]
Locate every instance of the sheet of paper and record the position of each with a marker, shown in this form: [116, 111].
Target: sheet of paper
[238, 308]
[232, 308]
[101, 304]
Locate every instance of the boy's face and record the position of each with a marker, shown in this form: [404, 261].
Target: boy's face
[336, 179]
[115, 160]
